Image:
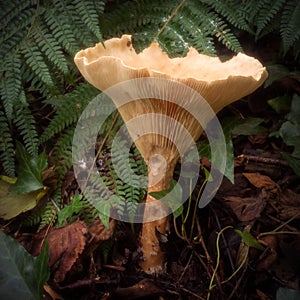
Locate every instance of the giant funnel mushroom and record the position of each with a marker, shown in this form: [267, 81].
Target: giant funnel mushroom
[219, 83]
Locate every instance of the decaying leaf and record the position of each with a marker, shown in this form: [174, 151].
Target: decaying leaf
[260, 181]
[65, 244]
[269, 256]
[249, 208]
[289, 205]
[98, 233]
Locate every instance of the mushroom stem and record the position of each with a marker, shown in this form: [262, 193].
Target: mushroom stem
[159, 179]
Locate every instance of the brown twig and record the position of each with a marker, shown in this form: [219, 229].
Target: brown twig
[209, 260]
[237, 284]
[245, 158]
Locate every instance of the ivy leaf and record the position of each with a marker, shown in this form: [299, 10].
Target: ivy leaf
[249, 126]
[22, 276]
[290, 133]
[11, 204]
[249, 239]
[29, 171]
[69, 210]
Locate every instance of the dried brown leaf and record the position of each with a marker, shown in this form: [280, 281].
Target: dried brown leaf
[65, 245]
[260, 181]
[249, 208]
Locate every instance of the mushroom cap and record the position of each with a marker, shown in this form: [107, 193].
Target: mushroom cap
[219, 83]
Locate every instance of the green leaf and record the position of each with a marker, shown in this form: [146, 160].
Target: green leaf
[293, 162]
[249, 239]
[22, 276]
[12, 204]
[69, 210]
[249, 126]
[276, 72]
[172, 197]
[284, 293]
[280, 104]
[29, 171]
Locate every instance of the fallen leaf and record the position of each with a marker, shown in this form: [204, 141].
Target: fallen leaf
[289, 205]
[98, 233]
[260, 181]
[65, 244]
[249, 208]
[269, 256]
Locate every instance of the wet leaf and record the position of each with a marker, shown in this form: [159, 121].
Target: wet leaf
[29, 171]
[22, 276]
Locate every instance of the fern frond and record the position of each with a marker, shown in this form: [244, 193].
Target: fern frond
[223, 34]
[7, 156]
[88, 212]
[50, 47]
[24, 121]
[267, 11]
[231, 10]
[89, 13]
[290, 24]
[69, 112]
[61, 30]
[49, 215]
[11, 84]
[15, 26]
[35, 61]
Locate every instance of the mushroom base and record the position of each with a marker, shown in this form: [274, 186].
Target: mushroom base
[159, 178]
[153, 259]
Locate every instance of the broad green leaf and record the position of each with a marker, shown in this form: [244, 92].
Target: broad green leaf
[249, 126]
[22, 276]
[69, 210]
[29, 171]
[290, 133]
[294, 162]
[281, 104]
[276, 72]
[284, 293]
[12, 204]
[172, 197]
[249, 239]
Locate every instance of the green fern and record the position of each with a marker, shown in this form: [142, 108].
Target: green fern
[6, 147]
[69, 110]
[290, 24]
[49, 214]
[25, 123]
[268, 9]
